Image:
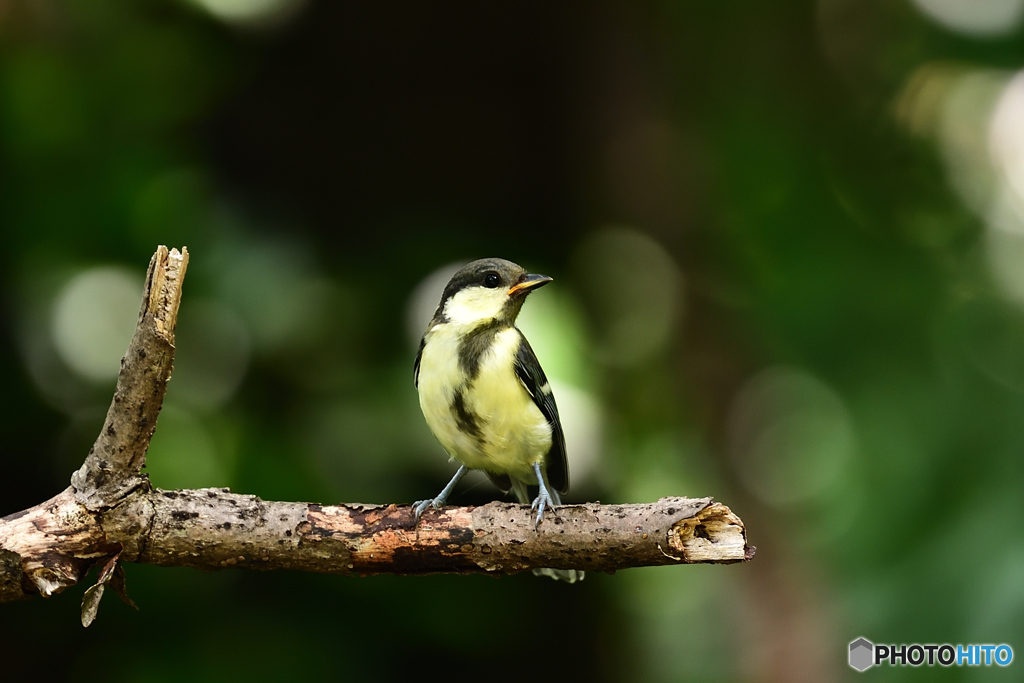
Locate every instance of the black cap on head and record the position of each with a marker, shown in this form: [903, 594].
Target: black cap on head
[496, 274]
[492, 273]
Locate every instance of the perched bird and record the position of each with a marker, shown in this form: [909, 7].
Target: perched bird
[484, 394]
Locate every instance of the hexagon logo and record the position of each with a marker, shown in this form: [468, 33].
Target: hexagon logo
[862, 653]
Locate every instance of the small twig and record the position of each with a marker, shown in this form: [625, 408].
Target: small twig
[112, 468]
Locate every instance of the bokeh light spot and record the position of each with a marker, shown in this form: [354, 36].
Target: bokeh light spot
[251, 12]
[634, 290]
[1006, 142]
[269, 284]
[978, 18]
[790, 436]
[580, 414]
[963, 136]
[423, 300]
[94, 317]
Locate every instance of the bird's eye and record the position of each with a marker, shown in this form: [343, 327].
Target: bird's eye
[491, 280]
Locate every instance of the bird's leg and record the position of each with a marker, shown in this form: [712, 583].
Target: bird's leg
[420, 506]
[543, 499]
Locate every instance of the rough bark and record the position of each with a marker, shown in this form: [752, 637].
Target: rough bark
[213, 529]
[110, 514]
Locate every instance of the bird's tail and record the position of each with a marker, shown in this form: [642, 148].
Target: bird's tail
[567, 575]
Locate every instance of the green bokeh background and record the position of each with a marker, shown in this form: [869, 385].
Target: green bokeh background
[771, 287]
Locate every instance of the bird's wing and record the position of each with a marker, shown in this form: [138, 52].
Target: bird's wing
[536, 384]
[416, 366]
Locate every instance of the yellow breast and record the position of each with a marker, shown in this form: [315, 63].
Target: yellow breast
[511, 432]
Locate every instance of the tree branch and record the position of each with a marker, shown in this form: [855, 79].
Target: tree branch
[111, 514]
[112, 468]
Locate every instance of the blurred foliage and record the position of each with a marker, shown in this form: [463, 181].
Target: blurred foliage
[787, 245]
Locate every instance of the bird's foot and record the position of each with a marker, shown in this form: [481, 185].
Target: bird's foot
[420, 506]
[542, 502]
[544, 498]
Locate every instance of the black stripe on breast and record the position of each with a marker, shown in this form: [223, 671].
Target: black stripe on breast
[467, 420]
[474, 345]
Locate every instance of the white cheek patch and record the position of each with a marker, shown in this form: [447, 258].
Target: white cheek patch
[474, 304]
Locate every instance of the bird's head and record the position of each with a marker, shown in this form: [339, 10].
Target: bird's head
[488, 289]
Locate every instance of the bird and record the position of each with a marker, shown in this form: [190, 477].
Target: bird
[484, 394]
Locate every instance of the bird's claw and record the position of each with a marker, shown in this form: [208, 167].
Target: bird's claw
[420, 506]
[541, 503]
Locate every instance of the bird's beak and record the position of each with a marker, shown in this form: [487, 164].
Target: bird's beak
[528, 283]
